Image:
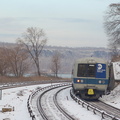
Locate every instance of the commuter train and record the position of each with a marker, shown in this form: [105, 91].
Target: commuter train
[92, 77]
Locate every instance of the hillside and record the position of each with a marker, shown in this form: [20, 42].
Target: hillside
[69, 55]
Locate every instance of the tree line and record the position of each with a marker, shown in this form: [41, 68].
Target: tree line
[18, 59]
[13, 61]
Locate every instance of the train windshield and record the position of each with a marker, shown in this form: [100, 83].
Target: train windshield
[86, 70]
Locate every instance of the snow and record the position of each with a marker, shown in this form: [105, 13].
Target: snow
[116, 70]
[113, 98]
[17, 98]
[74, 109]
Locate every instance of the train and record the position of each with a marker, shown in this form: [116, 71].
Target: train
[92, 77]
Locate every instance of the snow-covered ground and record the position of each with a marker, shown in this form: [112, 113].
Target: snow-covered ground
[113, 98]
[17, 98]
[74, 109]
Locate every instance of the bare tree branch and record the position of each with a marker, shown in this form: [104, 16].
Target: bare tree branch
[34, 40]
[112, 26]
[17, 59]
[55, 65]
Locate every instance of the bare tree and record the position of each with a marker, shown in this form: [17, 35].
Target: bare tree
[112, 24]
[17, 58]
[112, 27]
[55, 66]
[114, 53]
[34, 40]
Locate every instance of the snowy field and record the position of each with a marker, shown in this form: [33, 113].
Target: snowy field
[16, 98]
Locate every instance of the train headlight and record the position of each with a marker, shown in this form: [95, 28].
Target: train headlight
[81, 81]
[78, 81]
[100, 81]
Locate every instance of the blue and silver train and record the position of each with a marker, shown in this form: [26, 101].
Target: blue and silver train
[91, 78]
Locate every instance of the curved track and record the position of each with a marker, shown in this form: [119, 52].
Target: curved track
[49, 107]
[105, 110]
[99, 107]
[105, 107]
[59, 107]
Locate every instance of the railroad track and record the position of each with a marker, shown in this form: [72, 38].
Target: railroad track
[98, 107]
[26, 83]
[19, 84]
[48, 107]
[105, 107]
[53, 105]
[58, 105]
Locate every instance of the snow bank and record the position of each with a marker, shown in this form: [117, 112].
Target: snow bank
[116, 70]
[113, 98]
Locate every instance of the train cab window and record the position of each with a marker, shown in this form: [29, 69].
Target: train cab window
[82, 70]
[86, 70]
[91, 70]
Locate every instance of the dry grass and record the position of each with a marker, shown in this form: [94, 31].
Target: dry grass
[7, 109]
[4, 79]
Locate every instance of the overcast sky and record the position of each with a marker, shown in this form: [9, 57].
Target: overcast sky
[72, 23]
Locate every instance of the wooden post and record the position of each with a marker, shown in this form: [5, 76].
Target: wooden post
[0, 94]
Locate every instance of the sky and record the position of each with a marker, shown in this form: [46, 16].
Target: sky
[71, 23]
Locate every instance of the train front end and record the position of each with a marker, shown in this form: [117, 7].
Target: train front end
[90, 78]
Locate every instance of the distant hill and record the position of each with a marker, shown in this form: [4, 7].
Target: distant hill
[68, 55]
[6, 44]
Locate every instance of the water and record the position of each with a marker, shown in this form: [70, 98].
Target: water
[59, 75]
[64, 75]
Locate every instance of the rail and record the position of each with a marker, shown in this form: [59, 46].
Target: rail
[95, 110]
[58, 106]
[29, 106]
[26, 83]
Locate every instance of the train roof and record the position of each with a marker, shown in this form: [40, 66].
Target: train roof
[90, 60]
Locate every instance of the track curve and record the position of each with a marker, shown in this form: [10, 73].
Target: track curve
[53, 105]
[59, 107]
[98, 107]
[45, 108]
[105, 107]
